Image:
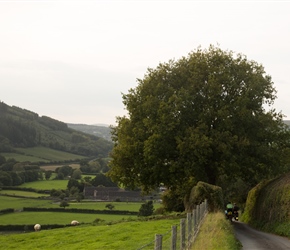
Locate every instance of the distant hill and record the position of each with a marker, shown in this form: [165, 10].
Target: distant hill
[287, 122]
[97, 130]
[21, 128]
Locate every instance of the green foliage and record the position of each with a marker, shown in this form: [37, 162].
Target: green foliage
[64, 170]
[110, 206]
[234, 189]
[268, 205]
[48, 174]
[5, 179]
[20, 128]
[64, 204]
[102, 180]
[98, 165]
[173, 200]
[2, 160]
[146, 209]
[200, 117]
[77, 174]
[213, 194]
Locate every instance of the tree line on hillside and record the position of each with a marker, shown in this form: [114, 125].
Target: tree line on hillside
[13, 173]
[23, 128]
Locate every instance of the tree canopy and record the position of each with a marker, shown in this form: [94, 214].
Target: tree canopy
[206, 115]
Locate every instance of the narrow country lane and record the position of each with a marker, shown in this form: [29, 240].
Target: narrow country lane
[252, 239]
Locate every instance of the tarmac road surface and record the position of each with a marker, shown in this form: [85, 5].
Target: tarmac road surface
[252, 239]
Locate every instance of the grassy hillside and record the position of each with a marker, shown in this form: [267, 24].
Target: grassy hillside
[20, 128]
[41, 154]
[268, 206]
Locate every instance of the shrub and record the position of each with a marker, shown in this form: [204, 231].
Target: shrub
[110, 206]
[146, 209]
[202, 191]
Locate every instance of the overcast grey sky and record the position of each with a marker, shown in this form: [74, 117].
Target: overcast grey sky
[71, 60]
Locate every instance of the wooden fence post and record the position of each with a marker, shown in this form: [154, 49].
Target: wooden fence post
[182, 234]
[158, 242]
[194, 220]
[173, 237]
[198, 214]
[189, 228]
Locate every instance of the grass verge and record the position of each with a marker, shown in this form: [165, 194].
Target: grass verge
[216, 233]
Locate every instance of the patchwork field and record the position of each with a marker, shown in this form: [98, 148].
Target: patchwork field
[41, 154]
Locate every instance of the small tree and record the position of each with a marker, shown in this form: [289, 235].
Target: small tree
[110, 206]
[64, 204]
[48, 174]
[146, 209]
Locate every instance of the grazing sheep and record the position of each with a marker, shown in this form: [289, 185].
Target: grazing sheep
[74, 223]
[37, 227]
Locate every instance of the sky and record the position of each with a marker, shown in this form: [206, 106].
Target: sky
[72, 60]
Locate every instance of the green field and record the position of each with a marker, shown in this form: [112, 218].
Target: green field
[41, 154]
[24, 218]
[125, 235]
[19, 203]
[23, 193]
[46, 185]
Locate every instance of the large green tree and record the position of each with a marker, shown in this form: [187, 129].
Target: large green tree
[207, 115]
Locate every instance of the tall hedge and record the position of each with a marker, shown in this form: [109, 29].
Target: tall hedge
[202, 191]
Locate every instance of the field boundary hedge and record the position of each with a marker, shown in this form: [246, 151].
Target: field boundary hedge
[25, 189]
[30, 227]
[77, 210]
[7, 211]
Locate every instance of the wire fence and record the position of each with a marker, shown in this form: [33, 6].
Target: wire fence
[182, 236]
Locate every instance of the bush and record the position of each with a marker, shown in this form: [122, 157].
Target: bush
[146, 209]
[110, 206]
[64, 204]
[200, 192]
[7, 211]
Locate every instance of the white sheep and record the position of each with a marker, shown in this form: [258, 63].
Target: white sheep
[74, 223]
[37, 227]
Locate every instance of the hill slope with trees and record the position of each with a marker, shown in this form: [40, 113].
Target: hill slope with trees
[100, 131]
[21, 128]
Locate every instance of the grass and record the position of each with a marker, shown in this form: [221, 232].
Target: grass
[23, 158]
[41, 154]
[19, 203]
[24, 218]
[125, 235]
[216, 233]
[46, 185]
[22, 193]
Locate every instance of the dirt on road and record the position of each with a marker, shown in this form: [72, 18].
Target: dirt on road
[252, 239]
